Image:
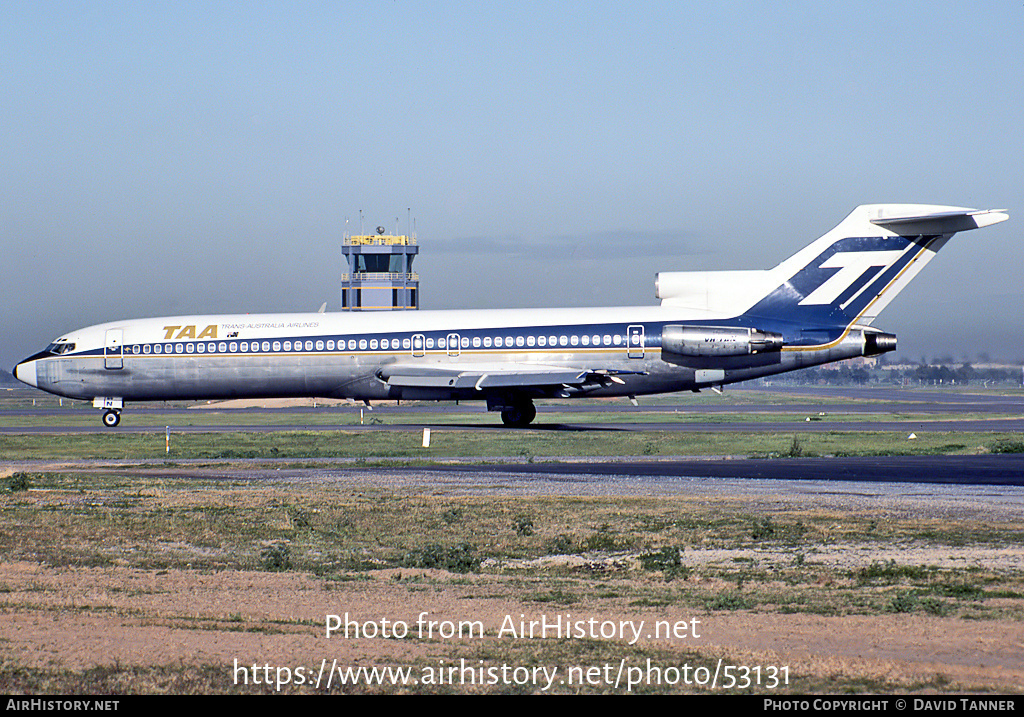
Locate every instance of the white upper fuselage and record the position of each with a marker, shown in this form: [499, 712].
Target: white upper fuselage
[279, 326]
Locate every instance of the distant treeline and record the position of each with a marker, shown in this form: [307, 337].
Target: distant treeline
[904, 375]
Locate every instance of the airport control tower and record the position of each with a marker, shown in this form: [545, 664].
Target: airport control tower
[379, 276]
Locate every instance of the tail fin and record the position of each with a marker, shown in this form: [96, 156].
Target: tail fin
[846, 277]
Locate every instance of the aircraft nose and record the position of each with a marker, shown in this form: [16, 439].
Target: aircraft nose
[26, 372]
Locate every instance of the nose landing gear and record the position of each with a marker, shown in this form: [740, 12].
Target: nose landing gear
[112, 409]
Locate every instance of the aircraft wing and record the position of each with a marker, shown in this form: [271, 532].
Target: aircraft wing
[497, 376]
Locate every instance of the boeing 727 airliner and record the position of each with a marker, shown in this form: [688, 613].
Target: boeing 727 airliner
[712, 328]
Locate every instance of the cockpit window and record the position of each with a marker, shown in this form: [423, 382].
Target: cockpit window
[61, 348]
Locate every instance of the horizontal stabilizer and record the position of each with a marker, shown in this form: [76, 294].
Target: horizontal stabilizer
[947, 222]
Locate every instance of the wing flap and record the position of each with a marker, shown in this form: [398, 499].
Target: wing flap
[493, 376]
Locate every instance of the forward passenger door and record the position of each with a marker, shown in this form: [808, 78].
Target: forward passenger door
[113, 349]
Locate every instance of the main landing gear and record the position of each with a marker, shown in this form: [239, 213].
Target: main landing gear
[519, 414]
[111, 418]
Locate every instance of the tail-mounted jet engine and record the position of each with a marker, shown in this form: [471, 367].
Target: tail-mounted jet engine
[718, 341]
[876, 343]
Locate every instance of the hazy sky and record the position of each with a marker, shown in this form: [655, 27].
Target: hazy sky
[170, 158]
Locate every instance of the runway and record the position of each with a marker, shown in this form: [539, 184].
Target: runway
[740, 411]
[1015, 425]
[960, 470]
[1004, 469]
[804, 410]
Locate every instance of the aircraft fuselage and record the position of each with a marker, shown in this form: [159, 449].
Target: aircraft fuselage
[342, 355]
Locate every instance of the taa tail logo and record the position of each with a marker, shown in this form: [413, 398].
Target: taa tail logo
[856, 270]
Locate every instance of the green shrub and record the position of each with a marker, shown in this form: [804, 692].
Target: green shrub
[459, 558]
[276, 558]
[18, 482]
[904, 602]
[523, 525]
[728, 601]
[561, 545]
[668, 560]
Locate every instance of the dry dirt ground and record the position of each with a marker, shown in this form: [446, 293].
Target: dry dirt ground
[87, 617]
[59, 620]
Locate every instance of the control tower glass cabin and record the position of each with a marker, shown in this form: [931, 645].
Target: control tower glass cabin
[380, 275]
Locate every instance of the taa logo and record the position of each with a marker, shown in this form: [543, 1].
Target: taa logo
[853, 266]
[189, 332]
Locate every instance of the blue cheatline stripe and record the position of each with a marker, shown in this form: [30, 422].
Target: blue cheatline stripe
[496, 340]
